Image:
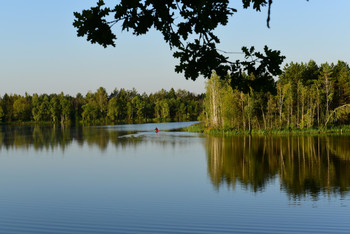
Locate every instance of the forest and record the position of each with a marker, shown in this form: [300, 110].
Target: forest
[306, 95]
[121, 106]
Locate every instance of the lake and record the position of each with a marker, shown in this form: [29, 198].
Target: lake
[128, 179]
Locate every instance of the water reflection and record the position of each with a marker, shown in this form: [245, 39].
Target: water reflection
[38, 137]
[313, 165]
[309, 165]
[57, 137]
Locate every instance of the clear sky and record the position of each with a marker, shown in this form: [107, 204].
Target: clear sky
[40, 52]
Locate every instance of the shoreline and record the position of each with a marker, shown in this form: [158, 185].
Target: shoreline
[201, 128]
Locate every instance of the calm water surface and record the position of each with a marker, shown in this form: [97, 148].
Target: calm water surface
[127, 179]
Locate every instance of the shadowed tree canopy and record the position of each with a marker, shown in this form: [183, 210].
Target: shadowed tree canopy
[189, 28]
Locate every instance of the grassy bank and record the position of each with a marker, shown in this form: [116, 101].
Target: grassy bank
[198, 127]
[202, 128]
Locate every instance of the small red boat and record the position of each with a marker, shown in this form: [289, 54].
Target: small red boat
[156, 130]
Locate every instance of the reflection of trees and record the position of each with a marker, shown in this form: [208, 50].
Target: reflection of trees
[232, 158]
[40, 137]
[305, 165]
[50, 137]
[340, 146]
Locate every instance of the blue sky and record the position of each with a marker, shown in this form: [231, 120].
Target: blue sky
[40, 52]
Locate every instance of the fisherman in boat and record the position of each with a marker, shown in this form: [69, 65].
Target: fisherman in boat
[156, 130]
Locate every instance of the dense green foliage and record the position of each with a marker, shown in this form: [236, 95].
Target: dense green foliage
[308, 96]
[188, 27]
[102, 108]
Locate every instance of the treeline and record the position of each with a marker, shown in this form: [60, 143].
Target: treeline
[306, 96]
[101, 108]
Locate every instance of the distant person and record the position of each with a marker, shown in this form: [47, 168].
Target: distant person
[156, 130]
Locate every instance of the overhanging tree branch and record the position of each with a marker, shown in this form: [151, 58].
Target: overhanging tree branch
[177, 20]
